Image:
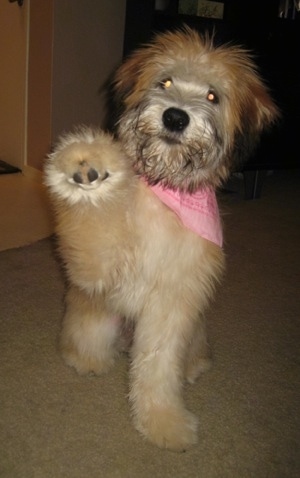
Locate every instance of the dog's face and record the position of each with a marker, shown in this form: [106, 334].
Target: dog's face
[191, 111]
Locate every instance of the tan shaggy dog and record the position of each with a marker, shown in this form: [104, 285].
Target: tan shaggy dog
[138, 224]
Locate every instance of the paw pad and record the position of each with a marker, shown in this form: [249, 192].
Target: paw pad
[85, 174]
[85, 177]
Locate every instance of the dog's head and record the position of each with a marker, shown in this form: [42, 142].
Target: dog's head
[191, 110]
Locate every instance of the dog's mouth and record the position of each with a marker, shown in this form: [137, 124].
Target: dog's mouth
[170, 140]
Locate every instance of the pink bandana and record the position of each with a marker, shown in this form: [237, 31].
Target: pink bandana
[198, 211]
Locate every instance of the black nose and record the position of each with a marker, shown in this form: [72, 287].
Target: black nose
[175, 119]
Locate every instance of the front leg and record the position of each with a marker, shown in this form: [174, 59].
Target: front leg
[157, 375]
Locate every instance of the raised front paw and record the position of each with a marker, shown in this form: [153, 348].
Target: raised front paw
[86, 165]
[86, 175]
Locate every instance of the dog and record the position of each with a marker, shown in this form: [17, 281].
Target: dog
[138, 224]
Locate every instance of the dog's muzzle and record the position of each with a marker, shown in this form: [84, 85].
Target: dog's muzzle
[175, 119]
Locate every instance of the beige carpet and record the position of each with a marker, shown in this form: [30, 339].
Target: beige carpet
[55, 424]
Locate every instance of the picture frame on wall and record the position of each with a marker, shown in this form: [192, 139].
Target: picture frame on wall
[202, 8]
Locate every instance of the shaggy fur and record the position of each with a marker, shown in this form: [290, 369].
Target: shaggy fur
[225, 99]
[189, 111]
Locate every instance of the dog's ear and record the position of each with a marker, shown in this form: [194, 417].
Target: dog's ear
[250, 101]
[131, 77]
[252, 109]
[256, 110]
[139, 70]
[262, 111]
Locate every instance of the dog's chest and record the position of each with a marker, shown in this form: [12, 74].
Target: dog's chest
[167, 209]
[163, 236]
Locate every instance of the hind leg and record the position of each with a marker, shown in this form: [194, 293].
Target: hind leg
[89, 336]
[198, 358]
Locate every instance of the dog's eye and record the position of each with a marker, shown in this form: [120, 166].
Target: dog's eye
[166, 83]
[212, 97]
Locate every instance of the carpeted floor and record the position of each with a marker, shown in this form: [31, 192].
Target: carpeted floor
[55, 424]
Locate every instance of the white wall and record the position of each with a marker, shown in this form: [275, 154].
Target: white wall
[88, 45]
